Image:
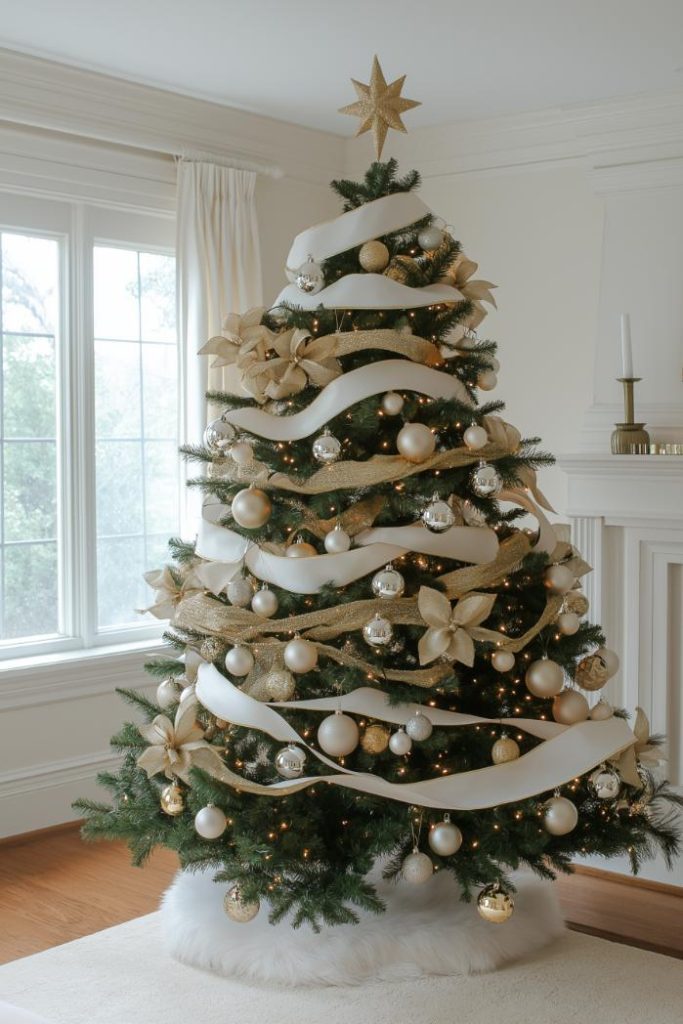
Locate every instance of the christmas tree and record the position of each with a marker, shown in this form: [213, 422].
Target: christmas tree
[375, 661]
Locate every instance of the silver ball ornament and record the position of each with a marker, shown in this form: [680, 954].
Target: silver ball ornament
[601, 711]
[239, 661]
[378, 631]
[570, 707]
[337, 541]
[338, 734]
[495, 905]
[388, 583]
[559, 579]
[290, 762]
[168, 693]
[544, 678]
[486, 480]
[418, 727]
[279, 684]
[560, 816]
[438, 515]
[417, 868]
[238, 909]
[264, 602]
[309, 277]
[326, 448]
[251, 508]
[604, 783]
[240, 591]
[400, 743]
[300, 655]
[242, 453]
[445, 838]
[210, 822]
[218, 436]
[392, 403]
[475, 437]
[503, 661]
[171, 800]
[430, 238]
[568, 623]
[415, 442]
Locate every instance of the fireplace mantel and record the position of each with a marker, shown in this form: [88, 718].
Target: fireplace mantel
[623, 489]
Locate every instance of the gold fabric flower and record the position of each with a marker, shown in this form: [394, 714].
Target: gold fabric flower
[449, 631]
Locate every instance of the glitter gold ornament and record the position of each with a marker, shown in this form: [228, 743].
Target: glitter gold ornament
[495, 905]
[171, 800]
[375, 739]
[373, 257]
[279, 684]
[591, 673]
[238, 909]
[504, 749]
[379, 106]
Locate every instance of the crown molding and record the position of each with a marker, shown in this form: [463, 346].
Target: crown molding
[56, 97]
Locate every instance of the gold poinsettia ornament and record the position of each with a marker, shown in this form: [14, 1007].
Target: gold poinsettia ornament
[459, 275]
[242, 341]
[169, 589]
[450, 631]
[176, 747]
[643, 752]
[299, 360]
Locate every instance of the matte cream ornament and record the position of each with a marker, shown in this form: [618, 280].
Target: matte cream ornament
[416, 442]
[373, 256]
[604, 783]
[338, 734]
[591, 673]
[379, 106]
[172, 800]
[444, 837]
[568, 623]
[601, 711]
[560, 816]
[279, 684]
[326, 448]
[300, 655]
[290, 762]
[242, 453]
[251, 508]
[240, 591]
[487, 380]
[337, 541]
[168, 693]
[218, 436]
[438, 515]
[430, 238]
[417, 868]
[503, 661]
[475, 437]
[239, 910]
[495, 905]
[375, 739]
[378, 631]
[388, 583]
[504, 749]
[265, 602]
[418, 727]
[400, 743]
[239, 661]
[392, 403]
[300, 549]
[544, 678]
[486, 480]
[570, 707]
[309, 277]
[577, 602]
[559, 579]
[210, 822]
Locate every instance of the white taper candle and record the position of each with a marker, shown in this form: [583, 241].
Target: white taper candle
[626, 349]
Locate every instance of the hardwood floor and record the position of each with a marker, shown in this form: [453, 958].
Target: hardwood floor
[55, 888]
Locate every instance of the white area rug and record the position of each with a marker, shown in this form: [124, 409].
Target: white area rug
[124, 976]
[426, 929]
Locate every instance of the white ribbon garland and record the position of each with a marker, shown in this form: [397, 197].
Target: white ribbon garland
[368, 291]
[571, 752]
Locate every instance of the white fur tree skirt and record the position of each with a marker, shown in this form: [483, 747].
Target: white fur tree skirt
[426, 930]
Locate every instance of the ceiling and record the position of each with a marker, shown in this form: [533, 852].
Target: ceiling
[292, 59]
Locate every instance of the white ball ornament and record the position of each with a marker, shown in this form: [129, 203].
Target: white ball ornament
[326, 448]
[558, 579]
[445, 838]
[309, 277]
[239, 661]
[560, 816]
[338, 734]
[290, 762]
[486, 480]
[568, 623]
[417, 868]
[604, 783]
[487, 380]
[438, 515]
[544, 678]
[430, 238]
[392, 403]
[279, 684]
[388, 583]
[210, 822]
[251, 508]
[168, 693]
[300, 655]
[264, 602]
[218, 436]
[418, 727]
[400, 743]
[240, 591]
[416, 442]
[238, 909]
[337, 541]
[378, 631]
[300, 549]
[601, 711]
[570, 707]
[475, 437]
[503, 661]
[242, 453]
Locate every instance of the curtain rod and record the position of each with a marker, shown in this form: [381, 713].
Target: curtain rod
[239, 163]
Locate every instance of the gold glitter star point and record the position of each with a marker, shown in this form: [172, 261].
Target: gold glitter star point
[379, 106]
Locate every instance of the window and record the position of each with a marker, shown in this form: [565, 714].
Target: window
[89, 472]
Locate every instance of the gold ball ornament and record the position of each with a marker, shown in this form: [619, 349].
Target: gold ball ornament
[172, 800]
[611, 660]
[373, 256]
[503, 661]
[601, 711]
[279, 685]
[544, 678]
[591, 673]
[251, 508]
[300, 549]
[570, 707]
[576, 601]
[238, 909]
[560, 816]
[495, 905]
[504, 749]
[375, 739]
[416, 442]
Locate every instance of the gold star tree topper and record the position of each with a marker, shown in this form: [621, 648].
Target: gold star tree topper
[379, 106]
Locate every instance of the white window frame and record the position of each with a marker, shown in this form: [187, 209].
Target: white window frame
[79, 226]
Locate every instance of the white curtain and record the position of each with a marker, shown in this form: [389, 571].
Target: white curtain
[219, 270]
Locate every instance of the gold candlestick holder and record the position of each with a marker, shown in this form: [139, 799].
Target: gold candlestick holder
[628, 434]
